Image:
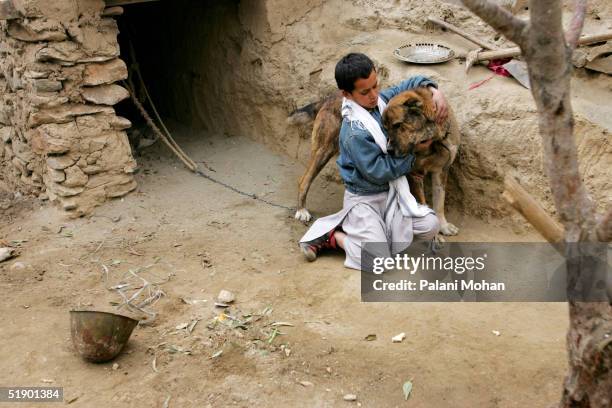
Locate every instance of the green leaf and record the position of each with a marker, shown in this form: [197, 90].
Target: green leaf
[407, 389]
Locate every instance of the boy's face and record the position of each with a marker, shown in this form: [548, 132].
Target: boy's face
[365, 92]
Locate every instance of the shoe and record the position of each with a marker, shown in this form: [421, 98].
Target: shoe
[312, 248]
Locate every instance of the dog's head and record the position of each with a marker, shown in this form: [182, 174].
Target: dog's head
[410, 119]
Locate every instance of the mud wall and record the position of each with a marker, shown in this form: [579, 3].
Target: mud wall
[253, 62]
[238, 68]
[61, 138]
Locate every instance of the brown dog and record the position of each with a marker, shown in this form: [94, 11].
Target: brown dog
[409, 119]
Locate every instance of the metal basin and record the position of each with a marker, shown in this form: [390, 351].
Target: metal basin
[100, 336]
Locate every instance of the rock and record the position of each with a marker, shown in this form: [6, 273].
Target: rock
[119, 190]
[75, 177]
[603, 65]
[22, 150]
[108, 179]
[107, 73]
[18, 266]
[40, 144]
[105, 94]
[65, 113]
[61, 162]
[6, 253]
[47, 85]
[36, 30]
[115, 366]
[579, 58]
[93, 157]
[6, 133]
[54, 138]
[39, 101]
[19, 164]
[8, 152]
[399, 338]
[120, 123]
[64, 191]
[56, 176]
[91, 170]
[306, 384]
[350, 397]
[130, 167]
[225, 296]
[6, 113]
[69, 204]
[8, 10]
[69, 53]
[112, 11]
[36, 74]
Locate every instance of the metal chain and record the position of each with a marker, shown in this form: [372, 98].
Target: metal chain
[244, 193]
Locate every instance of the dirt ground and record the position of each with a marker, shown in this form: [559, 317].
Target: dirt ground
[200, 238]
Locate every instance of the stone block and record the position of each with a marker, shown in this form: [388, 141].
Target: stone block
[70, 53]
[36, 30]
[6, 133]
[55, 138]
[119, 190]
[56, 176]
[22, 150]
[8, 152]
[119, 123]
[108, 179]
[105, 73]
[105, 94]
[65, 113]
[65, 191]
[47, 102]
[8, 10]
[61, 162]
[47, 85]
[92, 169]
[75, 177]
[20, 165]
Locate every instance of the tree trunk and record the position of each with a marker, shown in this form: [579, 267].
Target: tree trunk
[589, 339]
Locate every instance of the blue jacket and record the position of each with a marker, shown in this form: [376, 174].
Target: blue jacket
[364, 168]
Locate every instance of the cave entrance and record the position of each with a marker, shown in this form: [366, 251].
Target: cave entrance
[181, 50]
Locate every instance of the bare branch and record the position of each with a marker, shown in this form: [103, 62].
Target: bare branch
[572, 34]
[604, 228]
[500, 19]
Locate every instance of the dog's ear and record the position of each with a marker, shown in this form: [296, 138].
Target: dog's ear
[414, 105]
[429, 107]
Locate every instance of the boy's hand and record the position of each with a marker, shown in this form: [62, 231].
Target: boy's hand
[441, 105]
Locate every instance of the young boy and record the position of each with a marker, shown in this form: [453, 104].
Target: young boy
[367, 170]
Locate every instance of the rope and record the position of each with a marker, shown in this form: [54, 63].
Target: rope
[171, 143]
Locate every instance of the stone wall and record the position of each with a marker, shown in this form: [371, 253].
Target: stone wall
[61, 139]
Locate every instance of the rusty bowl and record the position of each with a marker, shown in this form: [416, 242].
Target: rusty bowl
[100, 336]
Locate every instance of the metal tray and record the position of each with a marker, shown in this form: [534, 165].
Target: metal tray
[424, 53]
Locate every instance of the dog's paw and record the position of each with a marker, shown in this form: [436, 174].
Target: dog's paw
[303, 215]
[449, 229]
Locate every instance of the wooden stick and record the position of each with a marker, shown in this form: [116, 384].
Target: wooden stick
[516, 51]
[533, 212]
[462, 33]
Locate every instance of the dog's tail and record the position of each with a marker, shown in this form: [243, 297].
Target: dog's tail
[305, 114]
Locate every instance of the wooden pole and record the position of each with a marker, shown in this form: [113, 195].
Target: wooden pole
[462, 33]
[516, 51]
[533, 212]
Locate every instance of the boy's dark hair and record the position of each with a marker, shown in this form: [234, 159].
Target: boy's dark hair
[352, 67]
